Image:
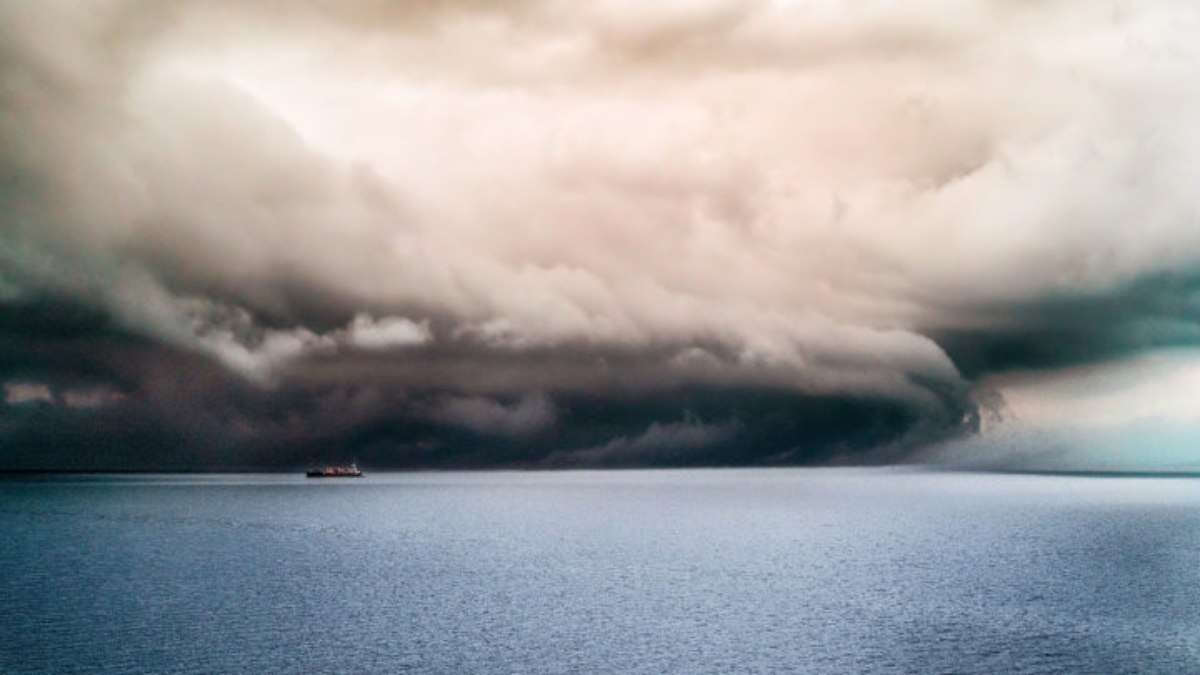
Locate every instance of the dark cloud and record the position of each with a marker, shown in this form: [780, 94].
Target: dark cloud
[1157, 311]
[116, 401]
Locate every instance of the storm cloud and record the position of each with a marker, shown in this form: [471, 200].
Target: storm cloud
[542, 233]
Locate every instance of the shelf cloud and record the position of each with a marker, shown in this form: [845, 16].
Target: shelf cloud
[479, 234]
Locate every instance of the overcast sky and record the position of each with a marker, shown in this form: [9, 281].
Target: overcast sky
[554, 233]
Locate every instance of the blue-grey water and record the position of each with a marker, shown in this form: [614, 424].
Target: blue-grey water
[704, 571]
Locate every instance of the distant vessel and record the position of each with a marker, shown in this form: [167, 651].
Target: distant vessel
[335, 471]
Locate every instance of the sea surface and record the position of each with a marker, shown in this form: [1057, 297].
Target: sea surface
[696, 571]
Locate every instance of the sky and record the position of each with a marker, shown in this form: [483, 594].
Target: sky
[552, 234]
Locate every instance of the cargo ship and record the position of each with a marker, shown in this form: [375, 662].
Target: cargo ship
[335, 471]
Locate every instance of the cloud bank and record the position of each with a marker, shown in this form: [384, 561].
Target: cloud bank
[464, 233]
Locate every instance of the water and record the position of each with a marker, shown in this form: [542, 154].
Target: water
[804, 570]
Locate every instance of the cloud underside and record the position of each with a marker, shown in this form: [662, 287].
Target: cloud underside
[547, 233]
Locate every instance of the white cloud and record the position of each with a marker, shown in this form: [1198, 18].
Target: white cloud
[816, 188]
[17, 393]
[386, 332]
[1159, 385]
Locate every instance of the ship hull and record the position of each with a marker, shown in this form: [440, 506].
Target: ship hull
[334, 474]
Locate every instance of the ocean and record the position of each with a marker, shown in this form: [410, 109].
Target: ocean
[666, 571]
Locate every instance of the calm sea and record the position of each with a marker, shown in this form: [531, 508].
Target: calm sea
[705, 571]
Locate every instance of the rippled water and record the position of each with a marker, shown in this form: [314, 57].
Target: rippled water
[624, 572]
